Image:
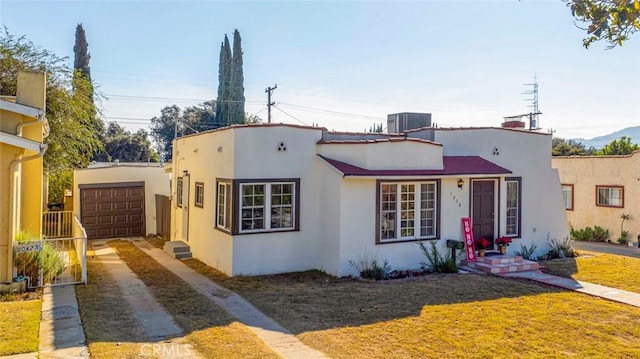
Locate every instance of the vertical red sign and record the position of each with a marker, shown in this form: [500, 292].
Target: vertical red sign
[469, 244]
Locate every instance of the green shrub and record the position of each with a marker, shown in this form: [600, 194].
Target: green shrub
[48, 259]
[528, 253]
[561, 248]
[437, 262]
[595, 234]
[370, 268]
[624, 238]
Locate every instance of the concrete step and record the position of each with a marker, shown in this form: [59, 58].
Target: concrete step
[499, 264]
[178, 249]
[182, 255]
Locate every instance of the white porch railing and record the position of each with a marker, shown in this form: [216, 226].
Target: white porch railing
[57, 224]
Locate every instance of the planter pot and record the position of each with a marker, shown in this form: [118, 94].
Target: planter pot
[481, 252]
[503, 250]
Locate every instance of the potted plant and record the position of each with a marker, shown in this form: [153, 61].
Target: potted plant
[482, 244]
[503, 243]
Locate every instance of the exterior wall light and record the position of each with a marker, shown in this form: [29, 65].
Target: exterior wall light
[460, 183]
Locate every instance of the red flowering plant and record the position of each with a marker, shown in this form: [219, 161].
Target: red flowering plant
[503, 241]
[482, 243]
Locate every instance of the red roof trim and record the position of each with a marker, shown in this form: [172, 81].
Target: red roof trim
[453, 165]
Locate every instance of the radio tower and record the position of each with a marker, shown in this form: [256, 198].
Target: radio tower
[534, 123]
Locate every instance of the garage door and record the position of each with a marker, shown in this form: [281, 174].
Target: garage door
[112, 209]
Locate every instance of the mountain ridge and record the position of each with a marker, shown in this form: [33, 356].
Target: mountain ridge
[600, 141]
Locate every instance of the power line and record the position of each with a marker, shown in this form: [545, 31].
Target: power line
[283, 111]
[330, 112]
[148, 98]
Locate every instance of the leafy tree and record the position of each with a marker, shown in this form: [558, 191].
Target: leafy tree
[236, 91]
[613, 21]
[73, 138]
[173, 119]
[562, 147]
[224, 83]
[120, 144]
[622, 146]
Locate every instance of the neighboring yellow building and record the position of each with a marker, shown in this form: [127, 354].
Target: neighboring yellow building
[599, 189]
[23, 127]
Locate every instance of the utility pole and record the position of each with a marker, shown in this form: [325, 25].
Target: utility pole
[269, 91]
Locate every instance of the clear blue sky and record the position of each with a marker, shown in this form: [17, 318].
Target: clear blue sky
[463, 61]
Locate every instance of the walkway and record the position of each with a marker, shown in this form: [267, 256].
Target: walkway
[61, 332]
[272, 333]
[597, 290]
[608, 248]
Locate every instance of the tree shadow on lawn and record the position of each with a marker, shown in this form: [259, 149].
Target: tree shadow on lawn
[312, 300]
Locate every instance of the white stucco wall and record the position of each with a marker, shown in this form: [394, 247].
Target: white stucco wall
[386, 155]
[156, 181]
[527, 155]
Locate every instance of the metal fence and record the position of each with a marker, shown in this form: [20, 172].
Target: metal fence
[57, 224]
[54, 261]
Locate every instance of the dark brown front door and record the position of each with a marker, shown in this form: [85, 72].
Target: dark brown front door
[113, 211]
[483, 202]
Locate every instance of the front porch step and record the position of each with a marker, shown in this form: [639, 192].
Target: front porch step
[178, 249]
[502, 264]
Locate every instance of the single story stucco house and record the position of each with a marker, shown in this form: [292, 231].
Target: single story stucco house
[597, 190]
[270, 198]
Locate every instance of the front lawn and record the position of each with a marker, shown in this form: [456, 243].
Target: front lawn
[19, 323]
[605, 269]
[443, 316]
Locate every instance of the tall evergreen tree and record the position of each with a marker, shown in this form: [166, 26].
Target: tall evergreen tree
[81, 51]
[236, 91]
[224, 83]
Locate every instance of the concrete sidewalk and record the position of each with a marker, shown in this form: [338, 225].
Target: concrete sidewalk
[273, 334]
[617, 295]
[61, 332]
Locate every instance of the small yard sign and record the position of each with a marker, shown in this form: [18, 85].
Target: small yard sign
[469, 244]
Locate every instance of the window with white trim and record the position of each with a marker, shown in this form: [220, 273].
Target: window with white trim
[223, 214]
[610, 196]
[199, 195]
[513, 207]
[567, 196]
[408, 210]
[267, 206]
[179, 192]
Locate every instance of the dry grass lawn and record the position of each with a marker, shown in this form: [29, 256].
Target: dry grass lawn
[19, 323]
[605, 269]
[209, 328]
[110, 326]
[440, 316]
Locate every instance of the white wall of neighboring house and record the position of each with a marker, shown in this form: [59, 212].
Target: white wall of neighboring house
[338, 213]
[156, 181]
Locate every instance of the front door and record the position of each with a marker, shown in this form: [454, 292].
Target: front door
[185, 208]
[482, 215]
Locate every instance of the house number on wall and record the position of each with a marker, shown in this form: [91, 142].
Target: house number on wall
[455, 199]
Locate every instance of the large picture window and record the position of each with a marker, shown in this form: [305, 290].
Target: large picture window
[567, 196]
[514, 206]
[610, 196]
[407, 211]
[268, 206]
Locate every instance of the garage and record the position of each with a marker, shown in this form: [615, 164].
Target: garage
[113, 209]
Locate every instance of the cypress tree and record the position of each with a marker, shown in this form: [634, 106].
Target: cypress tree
[81, 64]
[224, 83]
[236, 92]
